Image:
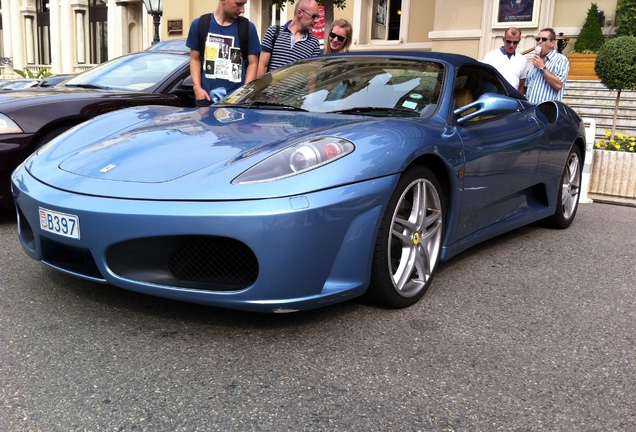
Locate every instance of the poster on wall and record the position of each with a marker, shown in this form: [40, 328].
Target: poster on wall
[516, 13]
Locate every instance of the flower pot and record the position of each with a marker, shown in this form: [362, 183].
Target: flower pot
[582, 67]
[613, 177]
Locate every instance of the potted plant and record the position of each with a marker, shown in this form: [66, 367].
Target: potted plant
[614, 160]
[42, 73]
[587, 44]
[616, 69]
[613, 173]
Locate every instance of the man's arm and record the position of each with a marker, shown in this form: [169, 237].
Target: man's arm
[554, 81]
[252, 68]
[195, 73]
[522, 86]
[263, 63]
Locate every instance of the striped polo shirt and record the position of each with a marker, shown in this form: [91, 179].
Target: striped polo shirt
[285, 51]
[537, 88]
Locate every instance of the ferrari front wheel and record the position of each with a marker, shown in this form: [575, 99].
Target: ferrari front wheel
[409, 242]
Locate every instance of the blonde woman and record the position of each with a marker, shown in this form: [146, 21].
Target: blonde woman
[339, 37]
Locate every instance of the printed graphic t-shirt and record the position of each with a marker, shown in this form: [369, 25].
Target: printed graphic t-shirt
[223, 66]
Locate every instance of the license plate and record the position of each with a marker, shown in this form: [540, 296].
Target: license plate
[63, 224]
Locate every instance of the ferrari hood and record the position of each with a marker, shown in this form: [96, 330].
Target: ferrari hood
[162, 152]
[169, 147]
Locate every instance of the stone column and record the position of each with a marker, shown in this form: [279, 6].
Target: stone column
[28, 38]
[56, 32]
[117, 28]
[66, 36]
[17, 45]
[81, 41]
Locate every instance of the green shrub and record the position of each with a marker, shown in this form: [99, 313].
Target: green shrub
[591, 38]
[626, 18]
[615, 66]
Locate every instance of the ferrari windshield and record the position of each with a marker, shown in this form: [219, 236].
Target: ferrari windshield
[352, 85]
[135, 72]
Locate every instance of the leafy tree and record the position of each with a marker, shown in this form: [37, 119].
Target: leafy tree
[328, 5]
[591, 38]
[626, 18]
[616, 68]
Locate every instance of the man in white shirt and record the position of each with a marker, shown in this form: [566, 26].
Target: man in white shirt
[510, 63]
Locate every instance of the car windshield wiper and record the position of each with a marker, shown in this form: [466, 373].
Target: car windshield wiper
[378, 111]
[275, 105]
[88, 86]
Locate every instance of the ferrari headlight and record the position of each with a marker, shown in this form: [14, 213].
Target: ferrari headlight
[296, 159]
[8, 126]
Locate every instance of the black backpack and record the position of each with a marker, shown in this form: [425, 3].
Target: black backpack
[243, 31]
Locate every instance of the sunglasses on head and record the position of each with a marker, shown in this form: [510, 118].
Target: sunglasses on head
[314, 16]
[332, 35]
[512, 42]
[543, 39]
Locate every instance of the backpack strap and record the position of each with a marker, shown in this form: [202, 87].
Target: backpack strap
[244, 35]
[276, 32]
[204, 28]
[243, 31]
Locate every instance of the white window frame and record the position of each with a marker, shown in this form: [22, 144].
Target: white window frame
[362, 22]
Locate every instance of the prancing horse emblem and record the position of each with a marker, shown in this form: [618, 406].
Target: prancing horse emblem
[107, 168]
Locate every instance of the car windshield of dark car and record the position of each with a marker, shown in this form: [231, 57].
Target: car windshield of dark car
[351, 85]
[136, 72]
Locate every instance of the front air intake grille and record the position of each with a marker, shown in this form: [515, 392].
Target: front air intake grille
[196, 262]
[215, 260]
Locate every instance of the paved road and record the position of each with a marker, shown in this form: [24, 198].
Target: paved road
[533, 331]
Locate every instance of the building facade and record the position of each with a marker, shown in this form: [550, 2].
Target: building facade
[68, 36]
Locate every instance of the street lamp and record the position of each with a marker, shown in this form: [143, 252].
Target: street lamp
[155, 8]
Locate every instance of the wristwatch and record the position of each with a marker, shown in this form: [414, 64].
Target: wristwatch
[544, 68]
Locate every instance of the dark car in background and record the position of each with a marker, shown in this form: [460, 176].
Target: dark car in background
[53, 80]
[19, 83]
[170, 45]
[29, 118]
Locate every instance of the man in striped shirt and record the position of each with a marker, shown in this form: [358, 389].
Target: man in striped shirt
[294, 41]
[549, 70]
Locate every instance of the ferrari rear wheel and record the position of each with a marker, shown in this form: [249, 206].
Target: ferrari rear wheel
[569, 192]
[409, 242]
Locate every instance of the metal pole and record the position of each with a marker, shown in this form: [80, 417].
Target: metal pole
[156, 19]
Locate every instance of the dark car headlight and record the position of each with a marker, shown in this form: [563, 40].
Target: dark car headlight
[296, 159]
[8, 126]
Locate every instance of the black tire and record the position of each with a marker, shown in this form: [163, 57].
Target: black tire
[409, 242]
[569, 192]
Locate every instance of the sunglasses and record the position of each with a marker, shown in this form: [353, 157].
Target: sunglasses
[543, 39]
[314, 16]
[512, 42]
[332, 35]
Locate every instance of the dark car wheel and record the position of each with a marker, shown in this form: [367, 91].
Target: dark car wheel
[569, 193]
[49, 135]
[409, 242]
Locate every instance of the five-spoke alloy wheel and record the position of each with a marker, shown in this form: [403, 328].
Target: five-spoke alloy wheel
[409, 241]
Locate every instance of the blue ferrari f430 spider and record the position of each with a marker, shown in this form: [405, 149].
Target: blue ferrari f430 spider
[333, 178]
